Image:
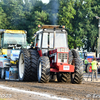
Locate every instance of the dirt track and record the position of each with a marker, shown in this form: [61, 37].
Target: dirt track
[85, 91]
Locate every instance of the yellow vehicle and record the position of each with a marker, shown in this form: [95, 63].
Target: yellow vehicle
[11, 39]
[11, 42]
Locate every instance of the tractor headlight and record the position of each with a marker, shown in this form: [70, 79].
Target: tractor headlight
[62, 57]
[59, 60]
[65, 60]
[59, 57]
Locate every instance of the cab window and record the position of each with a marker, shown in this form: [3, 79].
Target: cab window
[39, 40]
[45, 40]
[51, 40]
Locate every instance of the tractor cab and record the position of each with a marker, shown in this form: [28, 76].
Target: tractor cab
[12, 39]
[50, 38]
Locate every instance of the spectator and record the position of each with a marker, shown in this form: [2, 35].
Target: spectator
[86, 62]
[94, 69]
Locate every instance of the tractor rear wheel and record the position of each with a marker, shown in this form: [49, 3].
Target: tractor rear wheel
[75, 53]
[43, 69]
[78, 74]
[34, 56]
[24, 66]
[64, 77]
[70, 57]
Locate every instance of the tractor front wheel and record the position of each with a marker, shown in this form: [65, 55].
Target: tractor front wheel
[43, 69]
[77, 76]
[24, 67]
[70, 57]
[64, 77]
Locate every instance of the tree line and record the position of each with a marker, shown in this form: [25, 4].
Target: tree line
[78, 16]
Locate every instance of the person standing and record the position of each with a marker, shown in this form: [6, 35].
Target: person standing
[86, 62]
[94, 69]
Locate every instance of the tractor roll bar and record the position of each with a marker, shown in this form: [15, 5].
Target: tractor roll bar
[48, 27]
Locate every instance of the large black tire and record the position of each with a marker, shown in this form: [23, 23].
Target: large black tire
[64, 77]
[70, 57]
[34, 62]
[84, 68]
[2, 73]
[43, 69]
[88, 68]
[78, 74]
[24, 67]
[75, 53]
[53, 77]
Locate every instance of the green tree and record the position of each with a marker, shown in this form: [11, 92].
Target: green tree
[84, 25]
[15, 13]
[3, 19]
[35, 18]
[65, 16]
[38, 18]
[79, 17]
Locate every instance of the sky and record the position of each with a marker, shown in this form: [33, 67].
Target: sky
[45, 1]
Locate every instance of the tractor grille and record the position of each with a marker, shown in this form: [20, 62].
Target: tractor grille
[62, 57]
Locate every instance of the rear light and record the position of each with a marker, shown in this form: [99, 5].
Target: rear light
[63, 26]
[39, 26]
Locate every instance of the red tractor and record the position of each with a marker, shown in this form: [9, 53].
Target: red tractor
[50, 56]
